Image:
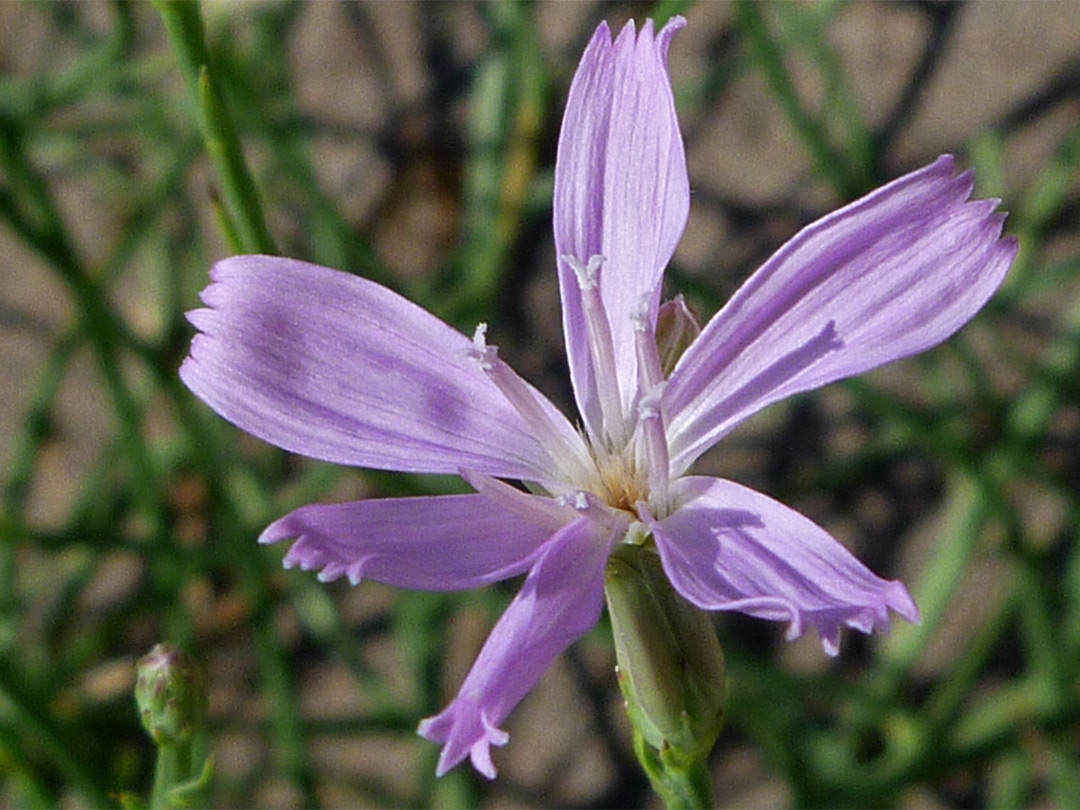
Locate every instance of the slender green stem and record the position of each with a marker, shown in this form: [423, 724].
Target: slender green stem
[333, 240]
[183, 23]
[42, 730]
[507, 105]
[25, 786]
[169, 772]
[44, 230]
[278, 681]
[1046, 194]
[807, 26]
[681, 786]
[769, 54]
[965, 513]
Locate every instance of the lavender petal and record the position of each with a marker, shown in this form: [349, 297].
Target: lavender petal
[437, 543]
[560, 601]
[336, 367]
[890, 275]
[621, 191]
[728, 547]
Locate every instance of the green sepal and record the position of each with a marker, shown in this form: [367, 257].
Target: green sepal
[670, 671]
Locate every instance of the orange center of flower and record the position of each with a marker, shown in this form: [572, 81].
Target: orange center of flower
[619, 482]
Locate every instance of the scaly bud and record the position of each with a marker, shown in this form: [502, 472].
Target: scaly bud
[170, 694]
[676, 328]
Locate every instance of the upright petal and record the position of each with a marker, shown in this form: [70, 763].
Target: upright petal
[888, 276]
[440, 543]
[560, 601]
[728, 547]
[621, 191]
[341, 369]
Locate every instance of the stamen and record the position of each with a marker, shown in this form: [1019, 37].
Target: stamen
[571, 458]
[483, 354]
[574, 500]
[650, 372]
[601, 347]
[651, 424]
[588, 275]
[588, 505]
[538, 510]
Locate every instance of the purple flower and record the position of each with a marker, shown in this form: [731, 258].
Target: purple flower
[339, 368]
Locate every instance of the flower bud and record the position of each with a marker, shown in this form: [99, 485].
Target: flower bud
[670, 666]
[676, 328]
[170, 694]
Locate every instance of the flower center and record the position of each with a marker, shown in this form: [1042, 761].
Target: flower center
[619, 481]
[623, 461]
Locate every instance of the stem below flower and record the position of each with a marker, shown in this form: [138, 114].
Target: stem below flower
[681, 786]
[170, 770]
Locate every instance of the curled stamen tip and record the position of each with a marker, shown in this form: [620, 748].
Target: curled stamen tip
[480, 351]
[640, 314]
[650, 402]
[588, 275]
[575, 500]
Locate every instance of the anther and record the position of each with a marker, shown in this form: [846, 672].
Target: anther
[640, 315]
[483, 354]
[588, 275]
[574, 500]
[571, 458]
[649, 404]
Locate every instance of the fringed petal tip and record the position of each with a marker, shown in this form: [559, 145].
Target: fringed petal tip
[828, 623]
[622, 192]
[288, 351]
[307, 555]
[436, 543]
[983, 209]
[273, 534]
[560, 601]
[899, 599]
[465, 731]
[896, 273]
[867, 619]
[730, 548]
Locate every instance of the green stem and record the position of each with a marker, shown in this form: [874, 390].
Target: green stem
[168, 773]
[188, 38]
[769, 55]
[39, 728]
[333, 240]
[965, 513]
[671, 673]
[33, 213]
[681, 786]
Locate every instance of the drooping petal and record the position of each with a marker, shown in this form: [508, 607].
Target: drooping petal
[621, 191]
[438, 543]
[341, 369]
[728, 547]
[560, 601]
[888, 276]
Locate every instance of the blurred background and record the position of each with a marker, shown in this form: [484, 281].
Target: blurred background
[413, 143]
